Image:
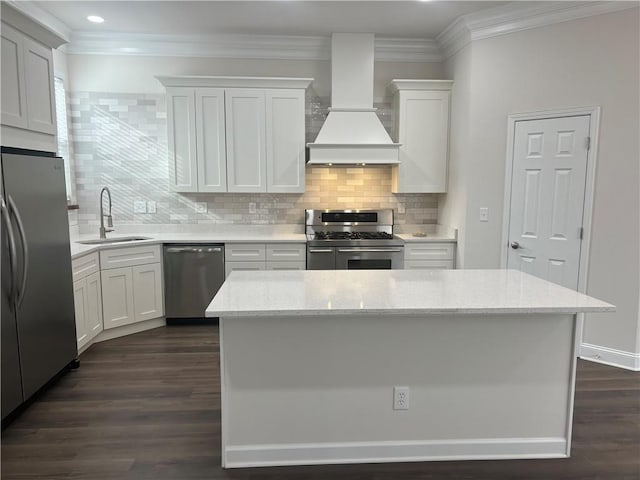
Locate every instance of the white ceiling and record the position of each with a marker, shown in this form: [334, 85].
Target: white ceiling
[408, 19]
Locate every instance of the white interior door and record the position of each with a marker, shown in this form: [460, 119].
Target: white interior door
[547, 197]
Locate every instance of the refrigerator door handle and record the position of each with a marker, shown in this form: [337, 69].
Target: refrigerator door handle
[12, 249]
[25, 250]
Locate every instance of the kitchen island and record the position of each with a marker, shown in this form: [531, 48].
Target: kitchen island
[388, 366]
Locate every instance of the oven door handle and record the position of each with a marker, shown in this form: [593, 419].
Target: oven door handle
[368, 250]
[321, 250]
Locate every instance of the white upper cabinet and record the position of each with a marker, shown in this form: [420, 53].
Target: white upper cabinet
[246, 146]
[422, 127]
[285, 141]
[14, 99]
[181, 120]
[211, 153]
[28, 99]
[236, 134]
[38, 70]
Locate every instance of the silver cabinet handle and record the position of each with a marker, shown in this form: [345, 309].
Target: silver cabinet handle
[13, 261]
[368, 250]
[321, 250]
[194, 249]
[515, 245]
[25, 250]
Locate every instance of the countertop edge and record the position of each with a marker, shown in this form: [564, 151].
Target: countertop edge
[407, 312]
[88, 249]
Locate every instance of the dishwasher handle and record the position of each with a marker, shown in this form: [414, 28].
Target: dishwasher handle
[194, 250]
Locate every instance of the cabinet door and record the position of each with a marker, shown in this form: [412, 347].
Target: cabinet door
[286, 266]
[94, 305]
[181, 130]
[147, 292]
[117, 297]
[14, 97]
[210, 140]
[80, 303]
[285, 137]
[428, 264]
[38, 69]
[423, 131]
[245, 123]
[243, 266]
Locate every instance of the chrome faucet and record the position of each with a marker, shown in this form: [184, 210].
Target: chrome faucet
[103, 231]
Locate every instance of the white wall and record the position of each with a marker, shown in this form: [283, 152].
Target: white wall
[591, 61]
[135, 74]
[452, 207]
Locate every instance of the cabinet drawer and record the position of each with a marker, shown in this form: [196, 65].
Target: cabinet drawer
[286, 265]
[244, 252]
[428, 251]
[286, 252]
[129, 256]
[85, 266]
[428, 264]
[243, 266]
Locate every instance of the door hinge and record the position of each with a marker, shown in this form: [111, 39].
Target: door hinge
[581, 233]
[588, 143]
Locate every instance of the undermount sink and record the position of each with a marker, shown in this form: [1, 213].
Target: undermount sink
[101, 241]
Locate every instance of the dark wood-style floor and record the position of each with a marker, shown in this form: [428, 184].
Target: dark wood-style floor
[147, 406]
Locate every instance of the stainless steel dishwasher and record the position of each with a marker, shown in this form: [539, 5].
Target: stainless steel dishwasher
[193, 273]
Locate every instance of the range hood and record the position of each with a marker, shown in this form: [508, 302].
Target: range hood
[352, 133]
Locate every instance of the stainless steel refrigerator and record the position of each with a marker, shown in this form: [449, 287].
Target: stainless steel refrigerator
[38, 325]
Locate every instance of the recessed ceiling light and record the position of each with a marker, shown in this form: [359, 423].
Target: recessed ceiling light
[95, 19]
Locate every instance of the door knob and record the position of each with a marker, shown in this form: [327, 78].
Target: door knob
[515, 245]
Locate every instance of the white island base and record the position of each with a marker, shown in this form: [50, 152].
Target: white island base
[315, 385]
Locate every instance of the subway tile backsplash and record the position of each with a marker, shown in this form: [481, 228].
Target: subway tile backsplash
[120, 140]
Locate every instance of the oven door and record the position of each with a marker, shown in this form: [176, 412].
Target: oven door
[369, 258]
[321, 258]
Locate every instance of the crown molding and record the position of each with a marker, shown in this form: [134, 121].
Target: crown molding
[515, 17]
[407, 50]
[223, 46]
[281, 47]
[54, 31]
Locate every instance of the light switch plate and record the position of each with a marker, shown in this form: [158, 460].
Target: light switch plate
[484, 214]
[151, 206]
[401, 208]
[201, 207]
[252, 207]
[139, 206]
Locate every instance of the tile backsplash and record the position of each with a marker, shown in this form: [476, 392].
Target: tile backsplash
[120, 140]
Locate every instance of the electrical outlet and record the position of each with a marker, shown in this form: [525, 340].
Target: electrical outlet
[151, 206]
[252, 207]
[401, 398]
[401, 208]
[484, 214]
[201, 207]
[139, 206]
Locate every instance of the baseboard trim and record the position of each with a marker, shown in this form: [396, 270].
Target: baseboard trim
[112, 333]
[610, 356]
[393, 451]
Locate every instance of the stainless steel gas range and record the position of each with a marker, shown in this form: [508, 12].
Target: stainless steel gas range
[353, 240]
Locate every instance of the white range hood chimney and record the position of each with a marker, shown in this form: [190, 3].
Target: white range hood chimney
[352, 133]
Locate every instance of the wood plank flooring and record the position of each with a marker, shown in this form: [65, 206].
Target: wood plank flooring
[147, 406]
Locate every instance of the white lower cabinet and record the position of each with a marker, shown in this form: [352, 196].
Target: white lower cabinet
[87, 297]
[264, 256]
[133, 291]
[147, 288]
[429, 255]
[94, 323]
[117, 297]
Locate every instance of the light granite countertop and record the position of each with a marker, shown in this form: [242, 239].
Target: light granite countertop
[384, 292]
[228, 236]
